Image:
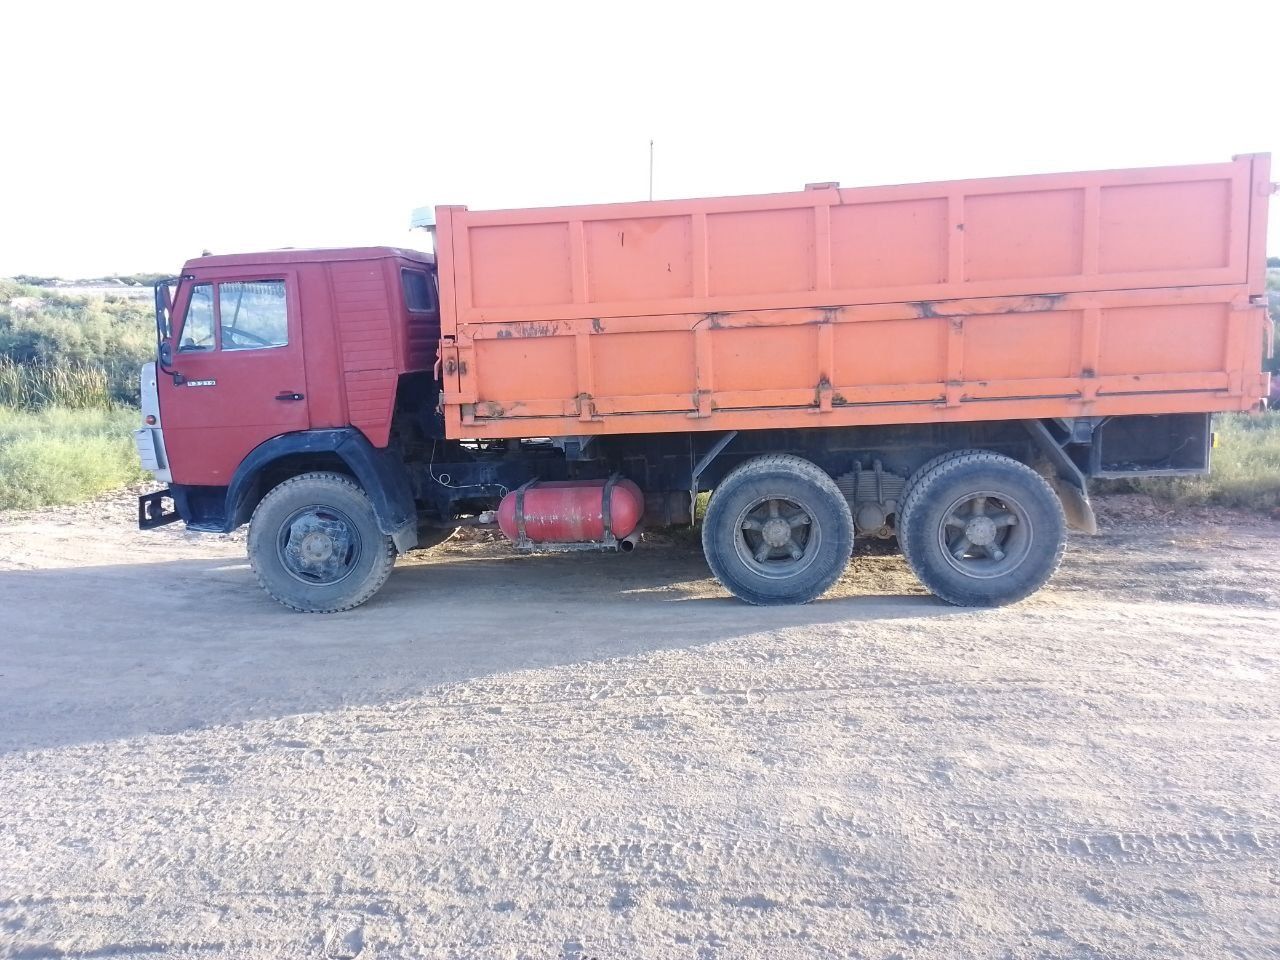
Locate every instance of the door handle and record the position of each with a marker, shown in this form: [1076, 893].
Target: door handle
[289, 396]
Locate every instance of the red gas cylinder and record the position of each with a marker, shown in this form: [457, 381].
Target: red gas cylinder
[571, 511]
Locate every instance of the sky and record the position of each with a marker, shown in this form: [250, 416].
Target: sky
[139, 134]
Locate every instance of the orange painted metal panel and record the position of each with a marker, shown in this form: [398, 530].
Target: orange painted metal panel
[1164, 339]
[760, 251]
[642, 257]
[764, 358]
[1039, 233]
[535, 368]
[537, 252]
[1075, 293]
[618, 375]
[1183, 226]
[886, 352]
[889, 244]
[1021, 346]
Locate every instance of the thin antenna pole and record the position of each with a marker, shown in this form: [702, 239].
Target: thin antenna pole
[651, 168]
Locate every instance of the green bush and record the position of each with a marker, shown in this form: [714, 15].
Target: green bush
[57, 455]
[42, 328]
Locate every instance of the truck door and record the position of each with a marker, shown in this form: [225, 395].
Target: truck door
[238, 375]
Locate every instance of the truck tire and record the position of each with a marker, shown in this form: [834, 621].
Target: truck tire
[900, 522]
[983, 530]
[777, 530]
[315, 545]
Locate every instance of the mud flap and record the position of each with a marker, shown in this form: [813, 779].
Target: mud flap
[1069, 483]
[1075, 504]
[151, 510]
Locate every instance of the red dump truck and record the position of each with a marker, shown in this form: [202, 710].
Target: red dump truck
[947, 363]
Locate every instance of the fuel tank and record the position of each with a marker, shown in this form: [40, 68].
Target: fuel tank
[571, 511]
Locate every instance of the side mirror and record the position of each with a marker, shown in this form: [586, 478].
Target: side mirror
[166, 353]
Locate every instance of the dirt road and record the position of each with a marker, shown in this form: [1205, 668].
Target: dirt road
[607, 757]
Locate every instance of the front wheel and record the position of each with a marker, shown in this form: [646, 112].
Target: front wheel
[315, 544]
[777, 530]
[983, 530]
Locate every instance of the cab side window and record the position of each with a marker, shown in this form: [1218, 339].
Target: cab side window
[419, 294]
[253, 315]
[197, 327]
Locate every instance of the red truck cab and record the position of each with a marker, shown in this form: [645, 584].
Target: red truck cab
[250, 393]
[241, 361]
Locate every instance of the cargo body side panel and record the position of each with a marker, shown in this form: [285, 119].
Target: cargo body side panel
[1100, 293]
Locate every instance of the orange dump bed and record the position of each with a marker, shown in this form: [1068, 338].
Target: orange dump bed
[1078, 294]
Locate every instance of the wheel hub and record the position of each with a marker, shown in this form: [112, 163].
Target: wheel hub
[776, 532]
[777, 537]
[316, 547]
[981, 531]
[319, 546]
[984, 534]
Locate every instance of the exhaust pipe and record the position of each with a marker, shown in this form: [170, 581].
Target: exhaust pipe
[629, 542]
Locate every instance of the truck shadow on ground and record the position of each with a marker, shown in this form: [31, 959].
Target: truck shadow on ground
[98, 653]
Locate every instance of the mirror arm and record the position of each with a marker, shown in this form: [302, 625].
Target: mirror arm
[164, 351]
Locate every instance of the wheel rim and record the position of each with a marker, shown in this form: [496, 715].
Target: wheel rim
[985, 534]
[777, 537]
[319, 545]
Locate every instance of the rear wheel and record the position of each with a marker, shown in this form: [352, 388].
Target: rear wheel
[315, 544]
[777, 530]
[983, 530]
[900, 523]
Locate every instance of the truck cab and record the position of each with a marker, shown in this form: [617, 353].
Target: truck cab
[242, 379]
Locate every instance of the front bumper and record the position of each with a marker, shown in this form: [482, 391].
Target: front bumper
[150, 445]
[152, 512]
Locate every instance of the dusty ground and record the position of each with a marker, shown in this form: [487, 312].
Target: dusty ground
[607, 757]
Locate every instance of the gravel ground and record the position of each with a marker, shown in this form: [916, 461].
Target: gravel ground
[605, 756]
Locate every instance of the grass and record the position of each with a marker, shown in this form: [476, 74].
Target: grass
[32, 386]
[1245, 474]
[59, 455]
[68, 378]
